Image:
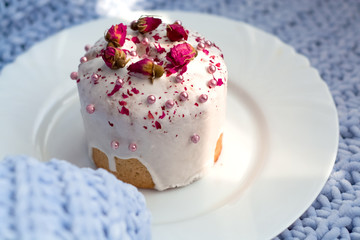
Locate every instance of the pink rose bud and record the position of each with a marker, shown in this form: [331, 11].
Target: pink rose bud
[146, 24]
[176, 32]
[181, 54]
[114, 58]
[116, 34]
[147, 67]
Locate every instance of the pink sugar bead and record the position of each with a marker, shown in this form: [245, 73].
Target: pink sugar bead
[132, 147]
[90, 108]
[195, 138]
[74, 75]
[115, 144]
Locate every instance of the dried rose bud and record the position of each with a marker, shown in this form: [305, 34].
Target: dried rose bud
[181, 54]
[114, 58]
[133, 25]
[146, 24]
[176, 32]
[178, 57]
[147, 67]
[116, 34]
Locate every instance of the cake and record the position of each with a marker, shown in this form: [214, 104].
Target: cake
[153, 98]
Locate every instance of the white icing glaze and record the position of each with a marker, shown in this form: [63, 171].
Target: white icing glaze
[168, 153]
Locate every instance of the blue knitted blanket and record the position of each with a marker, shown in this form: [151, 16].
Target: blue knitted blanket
[326, 31]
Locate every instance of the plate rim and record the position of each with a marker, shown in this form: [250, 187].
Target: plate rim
[324, 85]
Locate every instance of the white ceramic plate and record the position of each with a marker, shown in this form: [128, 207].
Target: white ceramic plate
[280, 141]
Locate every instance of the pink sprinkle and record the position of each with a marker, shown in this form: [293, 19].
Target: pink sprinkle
[124, 95]
[198, 39]
[122, 103]
[135, 39]
[124, 110]
[218, 65]
[162, 115]
[206, 51]
[116, 88]
[159, 49]
[128, 92]
[156, 37]
[157, 125]
[134, 90]
[150, 116]
[220, 82]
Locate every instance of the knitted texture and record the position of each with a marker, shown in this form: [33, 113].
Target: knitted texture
[57, 200]
[325, 31]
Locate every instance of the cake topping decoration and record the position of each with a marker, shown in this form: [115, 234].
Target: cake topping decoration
[145, 41]
[94, 77]
[203, 98]
[220, 82]
[114, 144]
[195, 138]
[211, 69]
[90, 108]
[201, 46]
[124, 111]
[118, 85]
[147, 67]
[179, 78]
[169, 103]
[208, 43]
[212, 83]
[179, 56]
[87, 47]
[116, 35]
[119, 81]
[157, 125]
[74, 75]
[133, 53]
[145, 24]
[114, 58]
[132, 147]
[184, 96]
[176, 32]
[159, 49]
[83, 59]
[151, 99]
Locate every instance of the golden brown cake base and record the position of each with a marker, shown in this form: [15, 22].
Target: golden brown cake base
[128, 170]
[132, 170]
